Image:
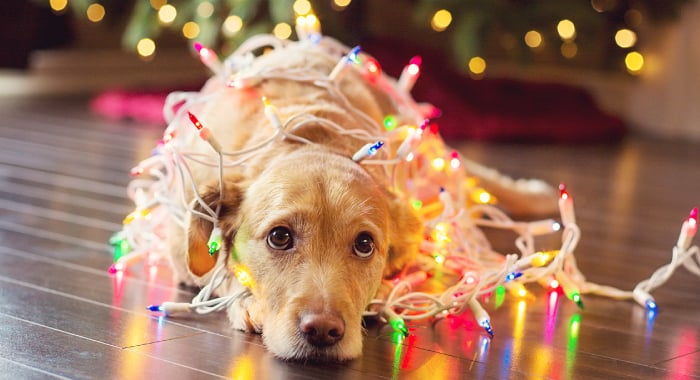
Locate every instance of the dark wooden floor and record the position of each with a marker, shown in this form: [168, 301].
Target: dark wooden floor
[62, 194]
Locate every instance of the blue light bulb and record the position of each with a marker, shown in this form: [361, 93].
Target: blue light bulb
[513, 276]
[155, 308]
[487, 326]
[352, 56]
[374, 148]
[651, 305]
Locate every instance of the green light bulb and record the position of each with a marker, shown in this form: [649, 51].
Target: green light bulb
[121, 248]
[390, 122]
[399, 325]
[213, 247]
[214, 242]
[577, 298]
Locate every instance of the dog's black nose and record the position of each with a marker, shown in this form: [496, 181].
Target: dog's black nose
[322, 329]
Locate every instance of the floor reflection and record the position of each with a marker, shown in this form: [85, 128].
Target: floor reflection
[685, 352]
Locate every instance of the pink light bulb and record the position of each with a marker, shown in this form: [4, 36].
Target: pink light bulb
[693, 220]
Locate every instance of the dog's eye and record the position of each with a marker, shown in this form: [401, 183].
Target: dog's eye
[364, 245]
[280, 238]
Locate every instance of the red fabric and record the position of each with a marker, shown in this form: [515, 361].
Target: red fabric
[500, 109]
[140, 106]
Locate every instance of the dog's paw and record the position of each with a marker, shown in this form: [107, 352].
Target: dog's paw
[245, 315]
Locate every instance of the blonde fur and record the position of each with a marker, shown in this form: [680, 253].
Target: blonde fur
[315, 190]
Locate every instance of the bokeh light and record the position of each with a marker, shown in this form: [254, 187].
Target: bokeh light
[625, 38]
[441, 20]
[568, 49]
[232, 25]
[634, 61]
[477, 65]
[190, 30]
[566, 30]
[58, 5]
[301, 7]
[533, 39]
[282, 31]
[95, 12]
[167, 14]
[205, 9]
[146, 47]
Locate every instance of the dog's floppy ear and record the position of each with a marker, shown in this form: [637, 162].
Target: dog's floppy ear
[199, 261]
[405, 235]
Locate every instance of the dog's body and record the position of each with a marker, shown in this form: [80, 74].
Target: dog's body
[316, 230]
[301, 217]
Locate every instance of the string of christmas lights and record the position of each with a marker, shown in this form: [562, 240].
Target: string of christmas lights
[432, 178]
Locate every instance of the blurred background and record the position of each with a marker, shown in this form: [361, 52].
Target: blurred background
[566, 71]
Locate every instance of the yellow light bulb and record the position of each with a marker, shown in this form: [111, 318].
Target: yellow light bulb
[481, 196]
[438, 163]
[440, 234]
[484, 197]
[243, 276]
[137, 214]
[145, 213]
[540, 259]
[312, 22]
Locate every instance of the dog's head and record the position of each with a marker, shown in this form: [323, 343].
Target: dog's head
[317, 233]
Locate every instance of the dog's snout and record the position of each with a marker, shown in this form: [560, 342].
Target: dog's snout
[322, 329]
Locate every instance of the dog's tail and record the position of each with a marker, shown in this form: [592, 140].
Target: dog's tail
[527, 197]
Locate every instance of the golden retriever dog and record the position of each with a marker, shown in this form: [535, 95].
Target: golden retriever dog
[316, 230]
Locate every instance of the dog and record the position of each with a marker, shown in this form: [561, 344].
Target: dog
[316, 230]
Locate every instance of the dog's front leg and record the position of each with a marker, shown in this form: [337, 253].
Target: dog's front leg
[246, 315]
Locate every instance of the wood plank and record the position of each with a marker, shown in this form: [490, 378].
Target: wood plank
[84, 318]
[42, 352]
[15, 370]
[131, 291]
[684, 365]
[44, 197]
[64, 181]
